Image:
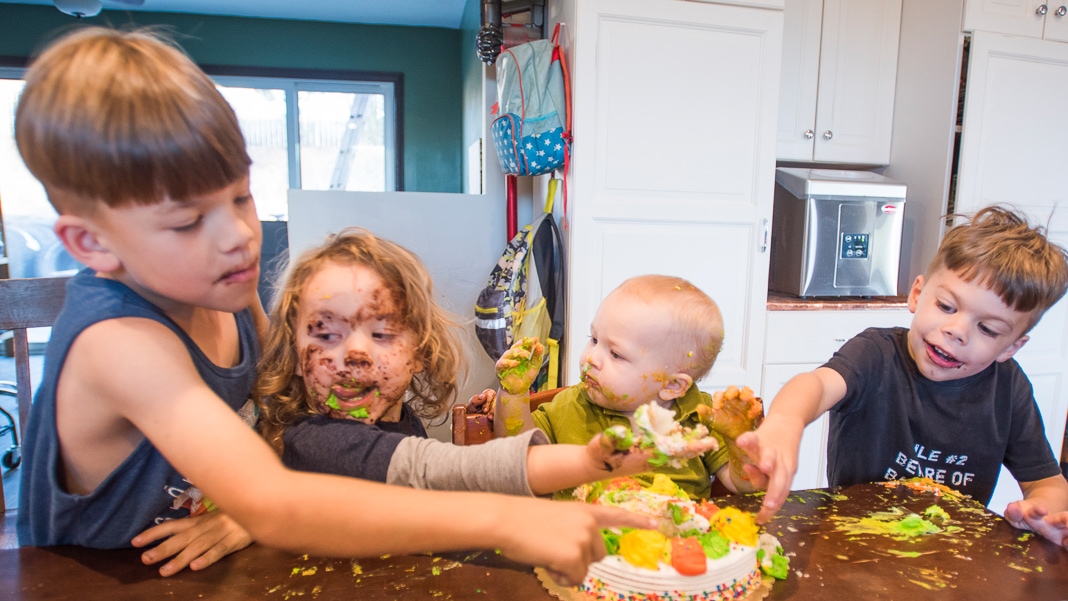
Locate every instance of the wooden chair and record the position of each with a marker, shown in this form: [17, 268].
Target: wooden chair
[26, 303]
[475, 428]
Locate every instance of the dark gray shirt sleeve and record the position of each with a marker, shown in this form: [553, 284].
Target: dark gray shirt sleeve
[340, 446]
[499, 465]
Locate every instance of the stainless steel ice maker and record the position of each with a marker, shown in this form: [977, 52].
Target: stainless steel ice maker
[836, 233]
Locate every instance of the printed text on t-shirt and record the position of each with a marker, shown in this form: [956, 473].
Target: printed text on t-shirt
[930, 463]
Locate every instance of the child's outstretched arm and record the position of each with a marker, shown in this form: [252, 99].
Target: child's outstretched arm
[516, 370]
[773, 447]
[1044, 509]
[163, 396]
[558, 466]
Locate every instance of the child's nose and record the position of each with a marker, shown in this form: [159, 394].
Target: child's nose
[236, 233]
[357, 359]
[591, 358]
[957, 329]
[357, 351]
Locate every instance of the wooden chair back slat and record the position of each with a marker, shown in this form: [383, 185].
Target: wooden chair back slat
[27, 303]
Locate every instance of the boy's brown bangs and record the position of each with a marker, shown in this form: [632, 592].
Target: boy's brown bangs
[121, 118]
[146, 165]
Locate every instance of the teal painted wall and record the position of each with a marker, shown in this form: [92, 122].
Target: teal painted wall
[429, 58]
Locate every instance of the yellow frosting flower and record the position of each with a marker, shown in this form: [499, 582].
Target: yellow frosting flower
[643, 548]
[737, 525]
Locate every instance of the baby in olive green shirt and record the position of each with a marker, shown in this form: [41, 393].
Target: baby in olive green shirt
[652, 338]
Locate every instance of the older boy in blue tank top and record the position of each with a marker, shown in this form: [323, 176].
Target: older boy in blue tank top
[147, 167]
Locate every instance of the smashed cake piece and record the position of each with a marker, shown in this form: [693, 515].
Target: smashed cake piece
[658, 431]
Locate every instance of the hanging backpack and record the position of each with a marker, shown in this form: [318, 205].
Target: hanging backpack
[533, 130]
[525, 295]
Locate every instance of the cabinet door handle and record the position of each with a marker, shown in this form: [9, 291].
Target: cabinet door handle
[767, 235]
[827, 135]
[1041, 10]
[1060, 12]
[809, 134]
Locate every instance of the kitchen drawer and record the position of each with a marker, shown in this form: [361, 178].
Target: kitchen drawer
[813, 336]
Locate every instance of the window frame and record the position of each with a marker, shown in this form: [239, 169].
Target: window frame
[296, 80]
[390, 84]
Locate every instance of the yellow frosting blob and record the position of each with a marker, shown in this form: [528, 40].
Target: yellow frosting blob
[643, 548]
[737, 525]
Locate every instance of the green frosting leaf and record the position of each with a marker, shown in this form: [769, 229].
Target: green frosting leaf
[714, 544]
[360, 413]
[678, 516]
[611, 541]
[780, 566]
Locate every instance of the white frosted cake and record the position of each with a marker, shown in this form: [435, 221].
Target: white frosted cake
[699, 552]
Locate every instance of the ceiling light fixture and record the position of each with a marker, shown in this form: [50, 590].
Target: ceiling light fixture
[79, 8]
[88, 8]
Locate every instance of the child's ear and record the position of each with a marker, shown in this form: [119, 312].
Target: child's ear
[1009, 352]
[914, 293]
[676, 386]
[81, 240]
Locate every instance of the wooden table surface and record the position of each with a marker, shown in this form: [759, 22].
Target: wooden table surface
[976, 556]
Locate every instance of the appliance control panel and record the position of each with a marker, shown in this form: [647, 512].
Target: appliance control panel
[855, 246]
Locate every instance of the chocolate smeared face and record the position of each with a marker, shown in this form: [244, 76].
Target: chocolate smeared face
[357, 356]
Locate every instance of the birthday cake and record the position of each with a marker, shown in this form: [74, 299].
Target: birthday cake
[699, 552]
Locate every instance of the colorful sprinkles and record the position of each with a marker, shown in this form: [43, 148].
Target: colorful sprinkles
[596, 590]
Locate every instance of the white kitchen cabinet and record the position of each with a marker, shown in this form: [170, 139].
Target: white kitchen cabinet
[839, 67]
[1013, 151]
[1033, 18]
[673, 164]
[800, 341]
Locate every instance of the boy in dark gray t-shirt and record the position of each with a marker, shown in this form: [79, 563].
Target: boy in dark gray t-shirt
[943, 399]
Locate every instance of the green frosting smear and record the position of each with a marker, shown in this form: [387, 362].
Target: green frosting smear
[331, 401]
[621, 437]
[358, 413]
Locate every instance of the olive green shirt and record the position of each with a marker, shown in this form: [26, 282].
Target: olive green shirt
[572, 418]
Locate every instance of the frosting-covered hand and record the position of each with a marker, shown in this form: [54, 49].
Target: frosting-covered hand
[519, 365]
[734, 412]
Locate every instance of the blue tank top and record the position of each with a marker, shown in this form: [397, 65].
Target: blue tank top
[144, 489]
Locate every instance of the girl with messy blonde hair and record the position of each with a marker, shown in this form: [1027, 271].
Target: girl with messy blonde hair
[358, 352]
[437, 352]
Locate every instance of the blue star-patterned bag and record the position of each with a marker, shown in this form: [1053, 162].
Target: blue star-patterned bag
[531, 132]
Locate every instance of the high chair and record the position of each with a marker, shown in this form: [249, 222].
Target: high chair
[25, 303]
[476, 428]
